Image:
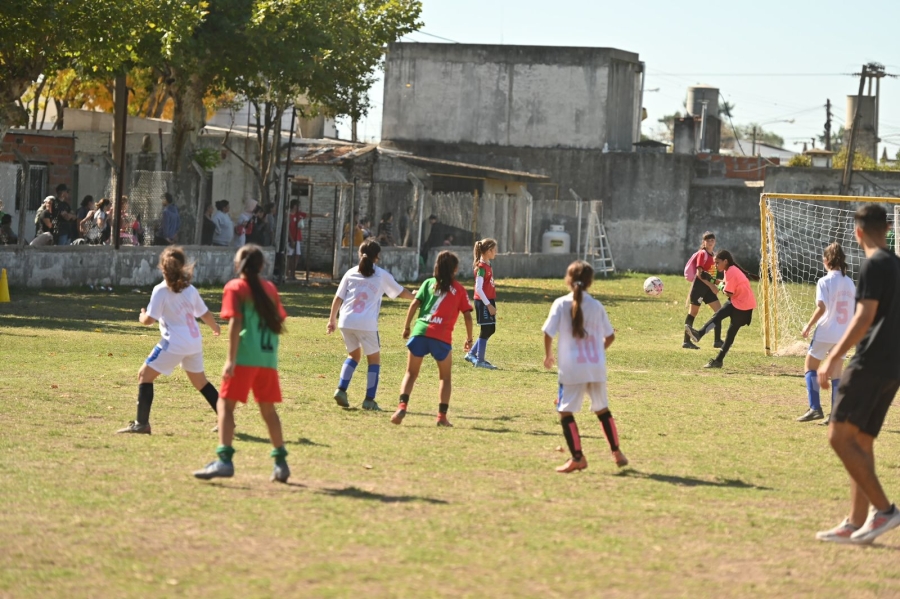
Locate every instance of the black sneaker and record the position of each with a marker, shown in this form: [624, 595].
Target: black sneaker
[693, 333]
[718, 344]
[135, 428]
[714, 364]
[811, 415]
[689, 345]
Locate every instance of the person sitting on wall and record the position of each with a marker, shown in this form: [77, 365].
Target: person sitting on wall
[448, 239]
[7, 237]
[386, 229]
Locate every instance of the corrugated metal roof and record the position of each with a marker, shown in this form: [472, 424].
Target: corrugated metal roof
[328, 153]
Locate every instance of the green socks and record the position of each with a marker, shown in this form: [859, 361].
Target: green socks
[225, 452]
[279, 454]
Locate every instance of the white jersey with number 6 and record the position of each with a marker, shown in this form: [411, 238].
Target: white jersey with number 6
[362, 298]
[177, 314]
[579, 360]
[838, 293]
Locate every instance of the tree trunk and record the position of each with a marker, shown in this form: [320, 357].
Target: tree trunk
[188, 118]
[12, 114]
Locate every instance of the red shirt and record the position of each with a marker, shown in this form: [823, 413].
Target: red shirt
[295, 231]
[484, 271]
[706, 262]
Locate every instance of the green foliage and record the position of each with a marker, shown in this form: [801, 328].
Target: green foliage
[745, 132]
[800, 160]
[861, 162]
[207, 158]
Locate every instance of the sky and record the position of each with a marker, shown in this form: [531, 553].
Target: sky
[773, 60]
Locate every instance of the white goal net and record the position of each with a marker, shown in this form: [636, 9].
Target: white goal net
[795, 230]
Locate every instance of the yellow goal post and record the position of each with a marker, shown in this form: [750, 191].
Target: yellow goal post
[794, 231]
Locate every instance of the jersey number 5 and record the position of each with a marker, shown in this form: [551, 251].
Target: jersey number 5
[843, 313]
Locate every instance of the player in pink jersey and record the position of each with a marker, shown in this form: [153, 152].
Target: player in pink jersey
[441, 299]
[485, 297]
[738, 308]
[175, 304]
[255, 322]
[584, 334]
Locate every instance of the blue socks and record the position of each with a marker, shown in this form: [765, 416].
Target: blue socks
[812, 390]
[372, 380]
[347, 371]
[482, 348]
[834, 386]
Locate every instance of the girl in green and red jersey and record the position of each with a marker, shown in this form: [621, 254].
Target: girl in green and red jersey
[441, 298]
[256, 319]
[485, 297]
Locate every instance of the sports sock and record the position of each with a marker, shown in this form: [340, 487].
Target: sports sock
[812, 390]
[145, 401]
[279, 453]
[225, 452]
[372, 380]
[609, 429]
[688, 320]
[718, 329]
[404, 401]
[475, 346]
[211, 395]
[573, 439]
[834, 389]
[442, 410]
[347, 371]
[482, 349]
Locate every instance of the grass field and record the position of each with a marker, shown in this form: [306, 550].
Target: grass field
[722, 499]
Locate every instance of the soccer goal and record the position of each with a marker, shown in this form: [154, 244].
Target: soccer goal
[794, 230]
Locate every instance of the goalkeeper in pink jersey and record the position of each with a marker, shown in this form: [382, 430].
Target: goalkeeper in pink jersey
[584, 334]
[439, 301]
[355, 311]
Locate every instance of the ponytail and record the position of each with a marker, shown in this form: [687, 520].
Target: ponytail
[481, 248]
[444, 269]
[176, 271]
[250, 261]
[368, 253]
[579, 277]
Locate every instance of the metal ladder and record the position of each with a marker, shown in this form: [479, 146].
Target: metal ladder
[598, 251]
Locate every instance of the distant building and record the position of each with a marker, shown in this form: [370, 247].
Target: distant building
[764, 150]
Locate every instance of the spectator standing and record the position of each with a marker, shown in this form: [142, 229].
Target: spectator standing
[209, 227]
[7, 237]
[101, 220]
[67, 223]
[224, 227]
[295, 237]
[386, 229]
[169, 224]
[86, 207]
[243, 224]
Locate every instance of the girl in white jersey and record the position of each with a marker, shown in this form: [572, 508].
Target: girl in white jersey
[176, 305]
[358, 299]
[835, 305]
[585, 334]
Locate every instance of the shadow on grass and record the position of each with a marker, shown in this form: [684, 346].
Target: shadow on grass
[558, 434]
[493, 419]
[255, 439]
[357, 493]
[689, 481]
[492, 430]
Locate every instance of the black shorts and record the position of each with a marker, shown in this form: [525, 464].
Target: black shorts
[863, 399]
[482, 316]
[701, 293]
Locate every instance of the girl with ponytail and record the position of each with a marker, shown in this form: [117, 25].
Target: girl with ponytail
[485, 296]
[738, 308]
[702, 267]
[358, 300]
[255, 320]
[176, 305]
[438, 303]
[584, 334]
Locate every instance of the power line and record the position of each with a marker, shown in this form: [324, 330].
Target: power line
[446, 39]
[760, 74]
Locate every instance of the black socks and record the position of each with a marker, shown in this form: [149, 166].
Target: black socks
[145, 401]
[689, 321]
[573, 439]
[211, 395]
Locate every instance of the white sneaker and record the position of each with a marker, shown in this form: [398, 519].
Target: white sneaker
[876, 524]
[839, 534]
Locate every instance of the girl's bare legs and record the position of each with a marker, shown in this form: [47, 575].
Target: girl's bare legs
[413, 365]
[444, 372]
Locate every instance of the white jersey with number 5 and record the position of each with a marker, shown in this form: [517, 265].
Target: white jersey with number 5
[177, 314]
[579, 360]
[838, 293]
[362, 298]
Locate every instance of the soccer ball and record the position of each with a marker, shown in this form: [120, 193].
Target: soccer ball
[653, 286]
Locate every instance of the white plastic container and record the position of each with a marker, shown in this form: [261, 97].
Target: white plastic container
[556, 240]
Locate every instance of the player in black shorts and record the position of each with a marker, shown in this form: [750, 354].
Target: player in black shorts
[869, 383]
[703, 289]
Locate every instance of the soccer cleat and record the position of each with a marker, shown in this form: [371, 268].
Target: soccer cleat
[442, 421]
[811, 414]
[714, 364]
[718, 344]
[876, 524]
[369, 404]
[689, 345]
[826, 422]
[620, 459]
[485, 364]
[693, 333]
[134, 427]
[340, 396]
[839, 534]
[471, 359]
[217, 469]
[280, 474]
[572, 465]
[397, 418]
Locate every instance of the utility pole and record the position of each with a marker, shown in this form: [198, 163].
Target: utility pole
[753, 151]
[851, 144]
[828, 124]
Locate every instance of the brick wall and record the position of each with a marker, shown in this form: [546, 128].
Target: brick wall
[56, 151]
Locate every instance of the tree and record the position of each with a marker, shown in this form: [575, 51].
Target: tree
[40, 37]
[668, 121]
[837, 140]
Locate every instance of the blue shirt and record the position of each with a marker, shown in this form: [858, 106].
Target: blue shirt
[171, 222]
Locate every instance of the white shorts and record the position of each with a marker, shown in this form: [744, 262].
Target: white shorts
[298, 245]
[367, 340]
[820, 349]
[571, 397]
[164, 362]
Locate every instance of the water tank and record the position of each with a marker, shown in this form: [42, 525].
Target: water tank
[866, 111]
[696, 94]
[555, 241]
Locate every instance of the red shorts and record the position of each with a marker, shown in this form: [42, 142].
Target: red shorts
[263, 382]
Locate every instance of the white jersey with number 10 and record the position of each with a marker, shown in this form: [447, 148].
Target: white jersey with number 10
[838, 293]
[362, 298]
[579, 360]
